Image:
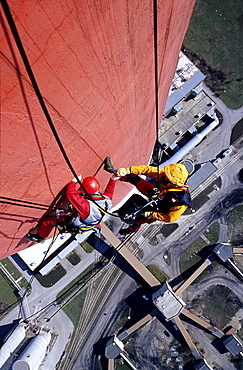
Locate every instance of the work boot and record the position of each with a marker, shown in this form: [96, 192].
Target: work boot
[129, 230]
[34, 237]
[108, 166]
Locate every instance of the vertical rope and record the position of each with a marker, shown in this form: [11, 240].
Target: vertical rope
[34, 82]
[156, 83]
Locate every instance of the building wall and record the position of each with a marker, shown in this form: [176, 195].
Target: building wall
[94, 63]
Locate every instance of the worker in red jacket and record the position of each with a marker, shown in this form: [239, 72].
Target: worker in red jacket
[88, 208]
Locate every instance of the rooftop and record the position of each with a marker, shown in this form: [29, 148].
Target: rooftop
[201, 175]
[168, 302]
[233, 344]
[186, 78]
[175, 126]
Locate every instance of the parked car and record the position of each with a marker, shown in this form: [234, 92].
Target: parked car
[227, 152]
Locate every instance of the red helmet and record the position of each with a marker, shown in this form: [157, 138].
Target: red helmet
[91, 185]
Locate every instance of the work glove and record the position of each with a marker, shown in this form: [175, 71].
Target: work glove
[148, 214]
[123, 171]
[79, 177]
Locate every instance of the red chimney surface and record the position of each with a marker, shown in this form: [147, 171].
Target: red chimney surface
[94, 65]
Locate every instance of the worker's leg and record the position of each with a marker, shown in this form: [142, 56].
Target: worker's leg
[145, 187]
[45, 227]
[142, 185]
[136, 225]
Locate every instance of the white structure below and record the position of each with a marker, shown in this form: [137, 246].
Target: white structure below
[34, 354]
[180, 154]
[167, 302]
[11, 343]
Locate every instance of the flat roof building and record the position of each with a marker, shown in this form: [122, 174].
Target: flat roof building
[233, 344]
[187, 78]
[202, 365]
[167, 302]
[201, 175]
[224, 251]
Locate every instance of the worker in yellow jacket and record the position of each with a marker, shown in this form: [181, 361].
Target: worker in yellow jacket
[167, 185]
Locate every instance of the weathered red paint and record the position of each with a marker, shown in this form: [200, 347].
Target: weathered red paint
[94, 63]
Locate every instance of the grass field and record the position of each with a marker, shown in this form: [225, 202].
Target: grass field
[87, 247]
[160, 275]
[73, 258]
[73, 309]
[212, 233]
[7, 290]
[7, 296]
[235, 226]
[189, 256]
[214, 38]
[225, 305]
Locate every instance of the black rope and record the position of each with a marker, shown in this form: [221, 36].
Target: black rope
[40, 98]
[25, 202]
[156, 84]
[23, 205]
[20, 299]
[34, 82]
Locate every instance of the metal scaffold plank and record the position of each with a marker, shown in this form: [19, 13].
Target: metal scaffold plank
[129, 257]
[181, 289]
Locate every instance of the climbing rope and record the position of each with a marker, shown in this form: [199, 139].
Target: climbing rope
[156, 84]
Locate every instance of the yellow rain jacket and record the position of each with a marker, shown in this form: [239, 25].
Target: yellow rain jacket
[177, 175]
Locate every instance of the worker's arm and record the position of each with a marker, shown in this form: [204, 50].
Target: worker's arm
[79, 203]
[110, 188]
[149, 171]
[172, 216]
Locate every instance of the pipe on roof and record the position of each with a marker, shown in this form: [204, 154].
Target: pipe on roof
[192, 143]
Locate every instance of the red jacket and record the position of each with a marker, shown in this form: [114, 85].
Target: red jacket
[81, 204]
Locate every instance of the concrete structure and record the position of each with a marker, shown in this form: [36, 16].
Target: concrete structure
[185, 149]
[233, 344]
[189, 164]
[34, 354]
[196, 273]
[202, 365]
[168, 302]
[201, 175]
[114, 347]
[127, 254]
[223, 251]
[12, 343]
[94, 65]
[187, 80]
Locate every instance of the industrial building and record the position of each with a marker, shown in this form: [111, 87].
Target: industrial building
[25, 348]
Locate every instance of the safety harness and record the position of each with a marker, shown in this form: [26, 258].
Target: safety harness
[173, 197]
[95, 216]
